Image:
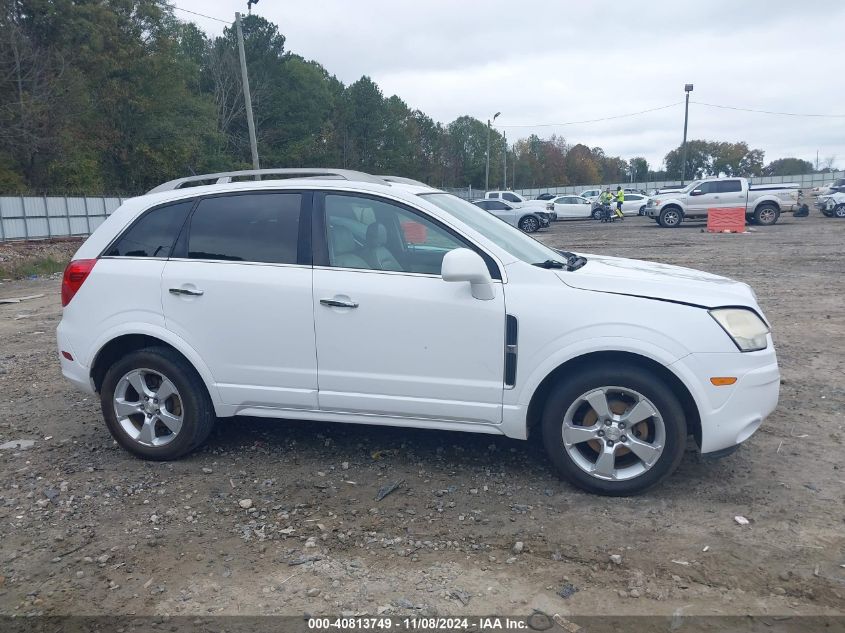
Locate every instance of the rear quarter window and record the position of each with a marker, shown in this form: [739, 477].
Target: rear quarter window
[153, 234]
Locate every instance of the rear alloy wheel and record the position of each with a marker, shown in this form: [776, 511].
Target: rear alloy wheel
[766, 215]
[839, 211]
[670, 218]
[529, 224]
[156, 405]
[642, 211]
[614, 430]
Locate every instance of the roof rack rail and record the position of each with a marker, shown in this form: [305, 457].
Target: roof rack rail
[227, 176]
[401, 180]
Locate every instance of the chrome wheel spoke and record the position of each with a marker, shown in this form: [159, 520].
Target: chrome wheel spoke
[598, 401]
[639, 412]
[136, 379]
[605, 465]
[147, 434]
[124, 409]
[165, 390]
[648, 453]
[578, 434]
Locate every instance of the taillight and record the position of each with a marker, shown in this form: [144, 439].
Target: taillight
[75, 275]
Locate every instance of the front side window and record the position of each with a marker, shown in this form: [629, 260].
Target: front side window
[707, 187]
[153, 234]
[260, 227]
[374, 234]
[510, 197]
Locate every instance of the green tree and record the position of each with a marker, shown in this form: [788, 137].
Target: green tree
[735, 159]
[639, 167]
[699, 160]
[788, 167]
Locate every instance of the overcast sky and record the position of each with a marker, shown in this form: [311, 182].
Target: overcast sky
[554, 62]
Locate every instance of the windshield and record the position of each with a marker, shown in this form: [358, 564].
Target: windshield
[497, 231]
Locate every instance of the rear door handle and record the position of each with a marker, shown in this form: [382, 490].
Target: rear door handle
[336, 303]
[186, 291]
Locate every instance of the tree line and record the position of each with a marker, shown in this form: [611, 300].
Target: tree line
[116, 96]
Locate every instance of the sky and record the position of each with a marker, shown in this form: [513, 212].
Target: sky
[543, 64]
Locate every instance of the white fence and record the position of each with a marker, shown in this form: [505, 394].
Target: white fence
[45, 217]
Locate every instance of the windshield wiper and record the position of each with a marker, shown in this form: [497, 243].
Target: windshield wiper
[551, 263]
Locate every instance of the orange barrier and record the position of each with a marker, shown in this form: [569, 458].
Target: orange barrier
[726, 220]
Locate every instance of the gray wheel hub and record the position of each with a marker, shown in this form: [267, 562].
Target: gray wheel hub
[613, 433]
[148, 407]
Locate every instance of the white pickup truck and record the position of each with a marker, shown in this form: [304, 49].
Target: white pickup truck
[763, 204]
[517, 201]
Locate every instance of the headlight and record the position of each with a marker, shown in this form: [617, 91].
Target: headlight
[746, 329]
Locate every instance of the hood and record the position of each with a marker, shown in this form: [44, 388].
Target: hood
[657, 281]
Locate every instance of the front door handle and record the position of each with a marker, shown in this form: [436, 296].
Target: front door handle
[186, 291]
[335, 303]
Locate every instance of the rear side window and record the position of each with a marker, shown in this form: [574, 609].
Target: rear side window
[246, 228]
[728, 186]
[153, 234]
[510, 197]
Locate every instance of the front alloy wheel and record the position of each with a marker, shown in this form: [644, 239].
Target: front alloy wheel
[614, 431]
[839, 211]
[529, 224]
[670, 218]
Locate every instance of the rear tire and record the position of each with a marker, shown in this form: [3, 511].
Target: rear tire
[766, 215]
[178, 422]
[596, 214]
[630, 393]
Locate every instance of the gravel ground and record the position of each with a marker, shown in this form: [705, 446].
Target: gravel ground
[280, 517]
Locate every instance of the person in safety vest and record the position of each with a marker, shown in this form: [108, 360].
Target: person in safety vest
[620, 198]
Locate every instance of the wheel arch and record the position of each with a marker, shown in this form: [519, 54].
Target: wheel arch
[541, 392]
[124, 343]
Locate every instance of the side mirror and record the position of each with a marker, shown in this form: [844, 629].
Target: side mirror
[462, 264]
[696, 192]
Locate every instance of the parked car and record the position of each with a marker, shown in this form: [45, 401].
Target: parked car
[546, 196]
[529, 220]
[572, 207]
[832, 187]
[763, 204]
[513, 198]
[630, 190]
[591, 194]
[338, 296]
[832, 205]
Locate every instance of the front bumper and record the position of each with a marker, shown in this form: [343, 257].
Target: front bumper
[731, 414]
[652, 212]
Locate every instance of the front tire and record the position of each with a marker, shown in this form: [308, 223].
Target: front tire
[156, 405]
[670, 218]
[529, 224]
[596, 214]
[614, 430]
[839, 211]
[766, 215]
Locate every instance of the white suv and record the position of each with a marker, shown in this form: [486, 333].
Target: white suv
[346, 297]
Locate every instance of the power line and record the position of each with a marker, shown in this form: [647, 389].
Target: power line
[607, 118]
[202, 15]
[727, 107]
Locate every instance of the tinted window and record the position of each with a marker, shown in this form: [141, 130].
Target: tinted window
[728, 186]
[498, 206]
[248, 228]
[484, 204]
[510, 197]
[492, 195]
[707, 187]
[153, 234]
[378, 235]
[633, 196]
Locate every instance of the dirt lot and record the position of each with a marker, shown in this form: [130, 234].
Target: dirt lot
[87, 529]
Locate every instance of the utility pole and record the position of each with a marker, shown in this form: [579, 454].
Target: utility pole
[487, 171]
[253, 143]
[687, 89]
[505, 162]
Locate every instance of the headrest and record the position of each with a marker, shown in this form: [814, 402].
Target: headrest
[342, 240]
[376, 235]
